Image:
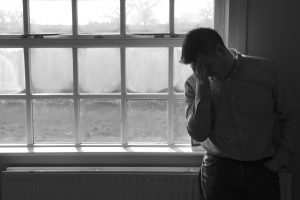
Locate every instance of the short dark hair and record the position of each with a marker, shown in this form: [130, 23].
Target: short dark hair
[199, 40]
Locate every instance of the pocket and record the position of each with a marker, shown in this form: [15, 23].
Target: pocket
[209, 172]
[209, 160]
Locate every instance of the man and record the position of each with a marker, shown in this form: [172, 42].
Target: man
[232, 104]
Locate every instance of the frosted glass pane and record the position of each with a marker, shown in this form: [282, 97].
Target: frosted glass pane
[52, 70]
[53, 121]
[181, 72]
[99, 16]
[50, 16]
[99, 70]
[147, 121]
[12, 121]
[12, 71]
[11, 17]
[147, 70]
[192, 14]
[100, 121]
[147, 16]
[180, 131]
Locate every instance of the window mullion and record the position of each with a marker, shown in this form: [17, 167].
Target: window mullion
[76, 97]
[74, 18]
[147, 96]
[171, 99]
[123, 18]
[179, 96]
[171, 16]
[26, 16]
[29, 109]
[123, 98]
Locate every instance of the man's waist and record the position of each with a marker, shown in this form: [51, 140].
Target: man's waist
[229, 159]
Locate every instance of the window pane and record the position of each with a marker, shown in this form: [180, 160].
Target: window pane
[181, 72]
[11, 17]
[50, 16]
[52, 70]
[147, 70]
[147, 16]
[180, 132]
[147, 121]
[12, 71]
[193, 13]
[100, 121]
[12, 121]
[99, 16]
[99, 70]
[53, 121]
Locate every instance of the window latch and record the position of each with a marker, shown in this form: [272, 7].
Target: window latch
[37, 35]
[158, 35]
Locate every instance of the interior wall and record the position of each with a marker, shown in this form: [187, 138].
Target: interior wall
[273, 32]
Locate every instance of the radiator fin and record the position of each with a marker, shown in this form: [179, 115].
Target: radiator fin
[99, 185]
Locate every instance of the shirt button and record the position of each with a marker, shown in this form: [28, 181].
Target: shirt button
[236, 115]
[232, 97]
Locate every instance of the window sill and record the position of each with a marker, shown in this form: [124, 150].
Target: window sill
[131, 156]
[132, 150]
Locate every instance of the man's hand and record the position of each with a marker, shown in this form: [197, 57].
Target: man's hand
[200, 73]
[201, 77]
[273, 165]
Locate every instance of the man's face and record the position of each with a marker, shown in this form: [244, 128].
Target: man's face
[209, 62]
[216, 64]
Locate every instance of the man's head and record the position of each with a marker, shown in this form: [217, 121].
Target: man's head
[204, 46]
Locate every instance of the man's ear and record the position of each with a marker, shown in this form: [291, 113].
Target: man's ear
[220, 49]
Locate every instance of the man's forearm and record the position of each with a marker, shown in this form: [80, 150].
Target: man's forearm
[198, 114]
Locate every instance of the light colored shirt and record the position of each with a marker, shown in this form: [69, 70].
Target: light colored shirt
[239, 118]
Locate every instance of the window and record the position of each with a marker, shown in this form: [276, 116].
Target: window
[50, 16]
[11, 17]
[80, 72]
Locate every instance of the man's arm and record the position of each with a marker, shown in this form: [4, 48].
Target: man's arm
[289, 117]
[198, 106]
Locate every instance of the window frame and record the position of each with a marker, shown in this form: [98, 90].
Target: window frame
[227, 22]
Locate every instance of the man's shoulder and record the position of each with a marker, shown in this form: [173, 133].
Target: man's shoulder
[190, 82]
[260, 61]
[259, 64]
[191, 79]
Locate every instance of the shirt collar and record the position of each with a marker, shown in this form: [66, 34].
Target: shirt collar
[236, 64]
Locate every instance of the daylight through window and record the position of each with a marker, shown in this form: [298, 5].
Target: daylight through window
[95, 71]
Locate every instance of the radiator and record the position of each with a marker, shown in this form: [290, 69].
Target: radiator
[112, 184]
[86, 185]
